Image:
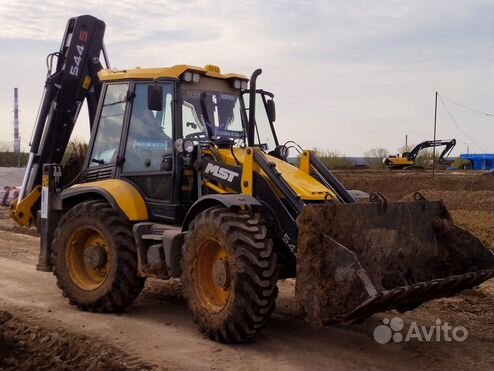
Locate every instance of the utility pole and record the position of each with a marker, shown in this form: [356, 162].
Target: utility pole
[406, 143]
[17, 140]
[434, 146]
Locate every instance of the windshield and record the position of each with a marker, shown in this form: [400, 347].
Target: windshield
[215, 114]
[212, 109]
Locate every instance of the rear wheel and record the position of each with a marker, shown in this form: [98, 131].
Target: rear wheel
[94, 258]
[229, 274]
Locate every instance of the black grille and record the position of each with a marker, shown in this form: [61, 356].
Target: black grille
[98, 174]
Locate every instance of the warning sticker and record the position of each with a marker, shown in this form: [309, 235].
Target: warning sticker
[44, 203]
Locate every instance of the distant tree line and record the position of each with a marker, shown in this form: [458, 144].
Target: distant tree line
[10, 159]
[373, 158]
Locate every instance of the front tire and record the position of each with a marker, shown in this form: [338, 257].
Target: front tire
[95, 259]
[229, 274]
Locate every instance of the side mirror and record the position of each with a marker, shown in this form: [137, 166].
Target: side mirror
[155, 97]
[271, 110]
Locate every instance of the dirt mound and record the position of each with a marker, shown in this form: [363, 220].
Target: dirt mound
[480, 223]
[396, 185]
[24, 346]
[472, 308]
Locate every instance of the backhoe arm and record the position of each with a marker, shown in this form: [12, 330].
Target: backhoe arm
[74, 80]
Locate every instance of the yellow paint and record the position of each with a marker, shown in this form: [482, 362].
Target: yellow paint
[305, 162]
[214, 187]
[127, 197]
[86, 83]
[212, 68]
[165, 72]
[21, 212]
[303, 184]
[400, 161]
[248, 172]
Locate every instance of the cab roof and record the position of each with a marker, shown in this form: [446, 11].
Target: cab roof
[166, 72]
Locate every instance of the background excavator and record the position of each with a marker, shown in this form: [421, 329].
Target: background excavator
[185, 178]
[407, 159]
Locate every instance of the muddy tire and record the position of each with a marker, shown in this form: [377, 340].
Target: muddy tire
[229, 274]
[94, 258]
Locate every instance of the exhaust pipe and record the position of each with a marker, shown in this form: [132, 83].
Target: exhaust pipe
[252, 107]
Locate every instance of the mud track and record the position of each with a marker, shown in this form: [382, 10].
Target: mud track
[39, 345]
[157, 332]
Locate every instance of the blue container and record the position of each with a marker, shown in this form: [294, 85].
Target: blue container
[480, 161]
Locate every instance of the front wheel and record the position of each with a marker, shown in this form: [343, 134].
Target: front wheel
[95, 259]
[229, 274]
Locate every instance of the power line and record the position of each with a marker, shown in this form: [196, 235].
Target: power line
[458, 126]
[467, 108]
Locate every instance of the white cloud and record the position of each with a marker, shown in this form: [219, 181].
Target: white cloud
[353, 74]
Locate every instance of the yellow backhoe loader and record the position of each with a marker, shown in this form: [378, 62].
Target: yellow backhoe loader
[185, 178]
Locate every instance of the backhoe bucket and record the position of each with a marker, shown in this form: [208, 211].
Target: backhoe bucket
[358, 259]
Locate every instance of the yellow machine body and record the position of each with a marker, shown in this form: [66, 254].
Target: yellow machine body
[302, 183]
[125, 195]
[398, 161]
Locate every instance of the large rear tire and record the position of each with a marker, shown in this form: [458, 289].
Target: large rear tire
[229, 274]
[95, 259]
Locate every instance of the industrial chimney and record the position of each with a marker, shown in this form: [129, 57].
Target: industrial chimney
[17, 139]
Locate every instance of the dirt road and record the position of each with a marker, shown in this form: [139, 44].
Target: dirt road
[157, 332]
[158, 329]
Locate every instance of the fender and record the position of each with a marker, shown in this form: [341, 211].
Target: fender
[227, 200]
[119, 193]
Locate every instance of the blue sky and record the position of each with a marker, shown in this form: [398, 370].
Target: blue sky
[348, 75]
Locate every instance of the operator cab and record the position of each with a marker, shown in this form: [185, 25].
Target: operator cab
[148, 115]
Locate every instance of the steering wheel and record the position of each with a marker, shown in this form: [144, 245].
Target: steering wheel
[280, 151]
[200, 135]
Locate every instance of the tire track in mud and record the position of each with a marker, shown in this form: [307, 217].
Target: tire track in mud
[27, 344]
[157, 328]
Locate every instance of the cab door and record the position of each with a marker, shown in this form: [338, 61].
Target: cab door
[148, 160]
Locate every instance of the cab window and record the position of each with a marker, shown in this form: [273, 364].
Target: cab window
[107, 140]
[263, 136]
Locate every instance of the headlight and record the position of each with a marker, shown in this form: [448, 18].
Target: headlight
[187, 76]
[239, 84]
[188, 145]
[190, 76]
[184, 145]
[179, 145]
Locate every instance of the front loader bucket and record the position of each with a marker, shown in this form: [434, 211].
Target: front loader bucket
[358, 259]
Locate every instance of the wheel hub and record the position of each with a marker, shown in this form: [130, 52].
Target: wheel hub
[88, 258]
[95, 256]
[213, 277]
[220, 274]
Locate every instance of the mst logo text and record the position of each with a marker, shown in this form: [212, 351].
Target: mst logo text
[220, 172]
